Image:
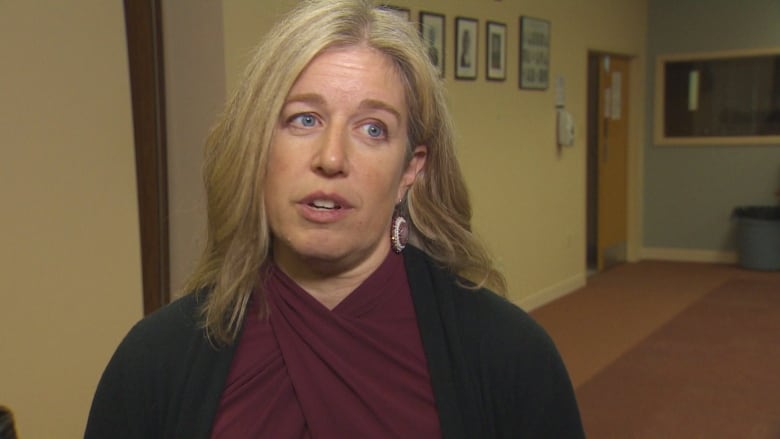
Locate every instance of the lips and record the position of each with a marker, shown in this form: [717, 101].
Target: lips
[325, 204]
[319, 204]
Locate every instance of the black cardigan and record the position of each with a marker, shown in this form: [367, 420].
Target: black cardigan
[495, 372]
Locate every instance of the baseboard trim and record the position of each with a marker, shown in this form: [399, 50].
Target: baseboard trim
[553, 292]
[688, 255]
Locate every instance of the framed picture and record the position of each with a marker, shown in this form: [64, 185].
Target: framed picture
[495, 51]
[534, 53]
[402, 12]
[432, 31]
[466, 33]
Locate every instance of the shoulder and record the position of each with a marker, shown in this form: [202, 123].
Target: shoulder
[479, 315]
[173, 321]
[160, 341]
[157, 340]
[522, 372]
[498, 329]
[513, 372]
[145, 371]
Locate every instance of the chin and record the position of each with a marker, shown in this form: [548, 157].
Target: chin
[329, 262]
[324, 257]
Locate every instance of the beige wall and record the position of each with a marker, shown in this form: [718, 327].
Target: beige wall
[529, 197]
[195, 93]
[69, 245]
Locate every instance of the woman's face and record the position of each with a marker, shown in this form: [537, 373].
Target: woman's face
[337, 165]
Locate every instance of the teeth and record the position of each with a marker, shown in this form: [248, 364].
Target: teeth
[324, 204]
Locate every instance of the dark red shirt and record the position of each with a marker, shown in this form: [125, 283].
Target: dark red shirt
[357, 371]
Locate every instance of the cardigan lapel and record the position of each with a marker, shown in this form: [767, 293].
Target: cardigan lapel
[442, 348]
[200, 389]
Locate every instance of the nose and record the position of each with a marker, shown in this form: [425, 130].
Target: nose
[331, 157]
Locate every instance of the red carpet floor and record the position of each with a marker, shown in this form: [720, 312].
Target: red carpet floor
[713, 371]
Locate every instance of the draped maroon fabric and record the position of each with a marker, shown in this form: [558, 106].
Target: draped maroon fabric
[358, 370]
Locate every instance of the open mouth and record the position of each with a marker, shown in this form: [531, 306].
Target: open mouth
[325, 204]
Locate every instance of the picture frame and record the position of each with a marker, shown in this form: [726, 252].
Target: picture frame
[432, 30]
[495, 51]
[466, 47]
[534, 53]
[404, 13]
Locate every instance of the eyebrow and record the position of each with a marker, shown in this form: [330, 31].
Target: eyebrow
[306, 98]
[366, 104]
[373, 104]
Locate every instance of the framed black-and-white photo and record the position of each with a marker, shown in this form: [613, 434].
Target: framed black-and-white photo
[534, 53]
[495, 51]
[466, 39]
[402, 12]
[432, 31]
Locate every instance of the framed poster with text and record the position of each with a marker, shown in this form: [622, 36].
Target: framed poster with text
[534, 53]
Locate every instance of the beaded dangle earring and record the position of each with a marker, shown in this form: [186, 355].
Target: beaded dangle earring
[399, 229]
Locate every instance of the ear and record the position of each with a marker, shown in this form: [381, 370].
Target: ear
[413, 168]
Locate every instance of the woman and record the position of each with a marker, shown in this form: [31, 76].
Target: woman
[310, 316]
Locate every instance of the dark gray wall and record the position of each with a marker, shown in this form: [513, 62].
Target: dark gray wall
[691, 191]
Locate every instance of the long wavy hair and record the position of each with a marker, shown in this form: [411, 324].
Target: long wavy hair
[239, 240]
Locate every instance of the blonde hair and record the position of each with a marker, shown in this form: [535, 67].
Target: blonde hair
[238, 236]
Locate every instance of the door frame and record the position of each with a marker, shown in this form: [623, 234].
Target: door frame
[633, 164]
[143, 27]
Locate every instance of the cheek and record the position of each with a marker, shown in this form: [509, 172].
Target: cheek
[278, 169]
[384, 187]
[276, 180]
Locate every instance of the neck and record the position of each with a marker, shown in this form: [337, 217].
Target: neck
[328, 282]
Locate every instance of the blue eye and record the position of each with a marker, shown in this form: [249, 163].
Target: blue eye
[303, 120]
[374, 130]
[306, 120]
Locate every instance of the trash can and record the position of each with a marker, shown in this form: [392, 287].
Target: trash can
[758, 237]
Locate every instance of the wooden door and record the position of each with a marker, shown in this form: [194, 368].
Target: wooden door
[612, 161]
